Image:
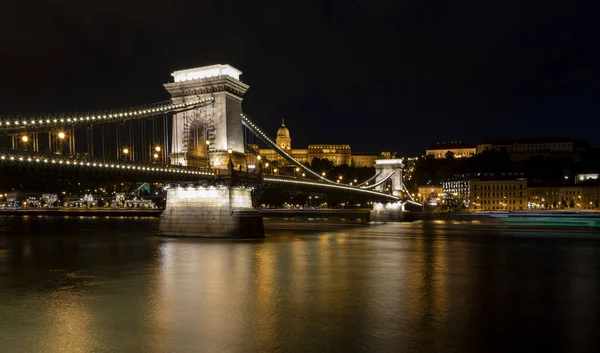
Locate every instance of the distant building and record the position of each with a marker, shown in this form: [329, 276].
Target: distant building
[337, 154]
[498, 193]
[430, 193]
[534, 145]
[582, 178]
[459, 149]
[573, 197]
[513, 193]
[458, 187]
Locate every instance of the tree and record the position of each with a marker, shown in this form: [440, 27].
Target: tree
[321, 164]
[571, 203]
[449, 155]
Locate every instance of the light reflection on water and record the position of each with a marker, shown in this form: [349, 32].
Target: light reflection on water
[83, 284]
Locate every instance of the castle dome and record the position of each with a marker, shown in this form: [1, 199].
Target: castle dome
[283, 131]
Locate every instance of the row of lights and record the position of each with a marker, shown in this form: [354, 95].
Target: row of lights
[247, 122]
[329, 186]
[256, 129]
[102, 165]
[132, 113]
[61, 135]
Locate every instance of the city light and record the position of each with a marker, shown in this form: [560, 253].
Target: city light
[156, 155]
[229, 150]
[24, 138]
[61, 135]
[130, 113]
[126, 150]
[157, 148]
[258, 157]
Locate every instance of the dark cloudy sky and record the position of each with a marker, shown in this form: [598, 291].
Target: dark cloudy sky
[379, 75]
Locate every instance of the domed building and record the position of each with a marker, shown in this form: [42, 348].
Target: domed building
[337, 154]
[283, 140]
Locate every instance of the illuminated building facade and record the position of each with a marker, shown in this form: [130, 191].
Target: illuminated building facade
[431, 194]
[561, 197]
[459, 150]
[529, 145]
[457, 188]
[498, 194]
[582, 178]
[337, 154]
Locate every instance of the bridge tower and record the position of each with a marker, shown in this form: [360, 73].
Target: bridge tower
[203, 136]
[386, 167]
[388, 211]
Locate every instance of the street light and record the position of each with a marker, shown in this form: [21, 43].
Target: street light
[125, 150]
[258, 157]
[25, 139]
[61, 135]
[157, 148]
[155, 156]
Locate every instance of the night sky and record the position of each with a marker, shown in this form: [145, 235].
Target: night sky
[394, 76]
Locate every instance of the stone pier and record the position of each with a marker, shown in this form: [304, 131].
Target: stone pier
[211, 212]
[388, 169]
[387, 212]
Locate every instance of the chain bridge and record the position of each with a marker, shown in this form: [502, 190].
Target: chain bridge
[196, 144]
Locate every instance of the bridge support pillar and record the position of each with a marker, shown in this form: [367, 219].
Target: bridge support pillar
[224, 212]
[387, 212]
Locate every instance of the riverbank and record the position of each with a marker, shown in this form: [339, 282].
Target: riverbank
[311, 218]
[81, 212]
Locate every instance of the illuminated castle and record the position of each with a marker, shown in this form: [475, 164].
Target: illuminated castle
[337, 154]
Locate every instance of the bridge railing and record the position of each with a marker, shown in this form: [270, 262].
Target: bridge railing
[83, 162]
[100, 117]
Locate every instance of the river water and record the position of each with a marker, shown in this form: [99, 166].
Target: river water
[110, 285]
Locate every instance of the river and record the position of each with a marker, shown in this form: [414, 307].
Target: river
[108, 284]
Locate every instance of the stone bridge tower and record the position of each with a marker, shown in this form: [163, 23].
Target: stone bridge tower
[385, 167]
[388, 211]
[203, 136]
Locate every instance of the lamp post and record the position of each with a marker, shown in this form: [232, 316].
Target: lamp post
[126, 152]
[61, 138]
[25, 139]
[207, 144]
[155, 153]
[230, 163]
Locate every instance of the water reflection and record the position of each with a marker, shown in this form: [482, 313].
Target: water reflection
[80, 284]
